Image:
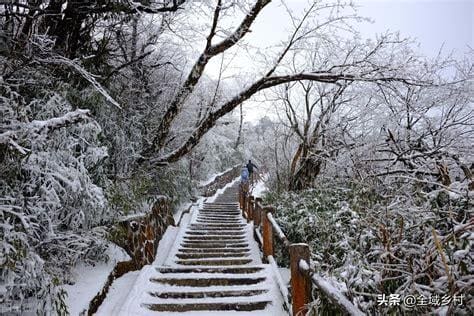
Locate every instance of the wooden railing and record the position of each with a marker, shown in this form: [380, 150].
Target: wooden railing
[303, 277]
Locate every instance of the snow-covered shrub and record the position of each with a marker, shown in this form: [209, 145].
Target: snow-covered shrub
[50, 208]
[374, 240]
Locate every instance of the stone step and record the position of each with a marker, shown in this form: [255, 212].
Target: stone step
[213, 262]
[214, 244]
[198, 228]
[227, 270]
[218, 238]
[206, 282]
[236, 220]
[218, 225]
[218, 232]
[233, 220]
[203, 220]
[209, 250]
[223, 207]
[206, 294]
[215, 238]
[245, 307]
[224, 232]
[222, 202]
[210, 255]
[219, 210]
[223, 246]
[221, 215]
[220, 207]
[218, 221]
[223, 243]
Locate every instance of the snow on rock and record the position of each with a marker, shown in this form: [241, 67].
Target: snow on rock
[90, 280]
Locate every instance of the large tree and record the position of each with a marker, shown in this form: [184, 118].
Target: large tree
[69, 23]
[378, 61]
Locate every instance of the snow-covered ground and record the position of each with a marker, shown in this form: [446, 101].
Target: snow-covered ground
[118, 292]
[180, 210]
[259, 189]
[218, 192]
[90, 280]
[213, 177]
[120, 289]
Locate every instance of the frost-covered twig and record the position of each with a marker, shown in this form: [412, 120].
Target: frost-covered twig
[48, 125]
[84, 73]
[36, 127]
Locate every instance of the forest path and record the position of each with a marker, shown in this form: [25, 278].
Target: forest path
[212, 267]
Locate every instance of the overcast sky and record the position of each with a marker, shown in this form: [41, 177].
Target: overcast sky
[433, 23]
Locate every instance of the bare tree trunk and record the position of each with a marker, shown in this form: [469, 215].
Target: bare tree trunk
[277, 167]
[239, 136]
[309, 169]
[296, 158]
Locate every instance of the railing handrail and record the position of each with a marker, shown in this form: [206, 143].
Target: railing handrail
[279, 232]
[333, 294]
[302, 276]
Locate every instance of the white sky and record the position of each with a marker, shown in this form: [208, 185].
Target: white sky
[433, 23]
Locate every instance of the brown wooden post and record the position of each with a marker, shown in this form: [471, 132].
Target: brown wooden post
[300, 283]
[267, 233]
[257, 214]
[240, 196]
[250, 208]
[244, 204]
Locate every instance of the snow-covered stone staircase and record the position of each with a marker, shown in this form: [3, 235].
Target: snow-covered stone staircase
[212, 267]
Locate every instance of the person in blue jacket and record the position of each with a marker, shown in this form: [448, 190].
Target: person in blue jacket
[244, 180]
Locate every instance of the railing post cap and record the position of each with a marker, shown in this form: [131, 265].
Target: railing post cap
[269, 209]
[162, 198]
[301, 244]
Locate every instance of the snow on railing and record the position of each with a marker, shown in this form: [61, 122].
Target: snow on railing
[302, 276]
[330, 291]
[278, 230]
